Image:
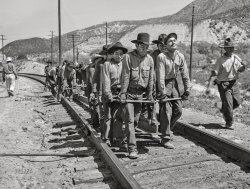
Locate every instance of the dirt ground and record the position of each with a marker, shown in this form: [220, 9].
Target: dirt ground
[22, 130]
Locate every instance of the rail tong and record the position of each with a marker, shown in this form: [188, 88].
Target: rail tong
[148, 101]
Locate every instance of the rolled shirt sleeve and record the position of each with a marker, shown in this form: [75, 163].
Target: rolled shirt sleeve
[151, 76]
[184, 73]
[106, 79]
[125, 73]
[160, 74]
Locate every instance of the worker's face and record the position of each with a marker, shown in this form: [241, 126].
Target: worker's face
[70, 68]
[229, 50]
[142, 49]
[161, 47]
[171, 44]
[118, 55]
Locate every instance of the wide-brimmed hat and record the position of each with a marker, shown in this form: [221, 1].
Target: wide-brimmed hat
[170, 36]
[160, 40]
[227, 43]
[142, 38]
[71, 64]
[117, 46]
[104, 50]
[8, 59]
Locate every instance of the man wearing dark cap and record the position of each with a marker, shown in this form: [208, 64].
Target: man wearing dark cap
[169, 63]
[46, 73]
[137, 78]
[154, 54]
[97, 88]
[227, 69]
[111, 88]
[69, 80]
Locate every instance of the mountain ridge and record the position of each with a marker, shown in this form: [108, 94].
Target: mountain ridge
[209, 15]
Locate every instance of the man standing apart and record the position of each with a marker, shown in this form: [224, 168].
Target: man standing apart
[137, 78]
[168, 65]
[9, 75]
[227, 69]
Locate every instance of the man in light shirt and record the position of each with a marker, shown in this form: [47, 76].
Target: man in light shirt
[227, 69]
[9, 75]
[168, 65]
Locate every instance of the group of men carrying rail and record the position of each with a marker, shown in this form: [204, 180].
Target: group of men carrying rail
[121, 85]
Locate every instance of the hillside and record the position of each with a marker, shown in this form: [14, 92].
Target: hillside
[214, 19]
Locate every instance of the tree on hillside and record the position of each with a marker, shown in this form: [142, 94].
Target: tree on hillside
[22, 57]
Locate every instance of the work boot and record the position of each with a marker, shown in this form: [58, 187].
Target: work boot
[133, 154]
[229, 125]
[11, 93]
[123, 146]
[167, 144]
[107, 141]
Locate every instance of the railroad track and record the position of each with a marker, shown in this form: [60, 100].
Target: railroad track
[200, 160]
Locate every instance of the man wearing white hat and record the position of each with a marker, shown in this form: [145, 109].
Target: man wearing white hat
[9, 75]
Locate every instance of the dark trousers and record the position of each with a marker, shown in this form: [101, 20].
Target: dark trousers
[113, 120]
[69, 92]
[59, 87]
[230, 98]
[132, 115]
[170, 111]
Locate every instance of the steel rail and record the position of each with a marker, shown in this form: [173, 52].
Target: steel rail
[219, 144]
[222, 145]
[122, 175]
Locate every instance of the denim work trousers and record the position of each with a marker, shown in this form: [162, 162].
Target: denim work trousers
[170, 111]
[230, 98]
[132, 116]
[113, 120]
[10, 82]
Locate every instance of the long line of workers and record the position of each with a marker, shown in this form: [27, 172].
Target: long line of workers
[118, 81]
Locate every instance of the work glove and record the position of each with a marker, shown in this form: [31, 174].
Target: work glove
[150, 97]
[162, 97]
[123, 97]
[185, 95]
[91, 97]
[208, 91]
[109, 99]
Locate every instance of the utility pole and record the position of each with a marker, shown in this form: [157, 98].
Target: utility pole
[59, 31]
[77, 54]
[74, 38]
[191, 46]
[52, 45]
[106, 34]
[2, 36]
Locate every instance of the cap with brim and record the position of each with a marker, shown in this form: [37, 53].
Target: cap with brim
[160, 40]
[227, 43]
[71, 64]
[142, 38]
[174, 35]
[117, 46]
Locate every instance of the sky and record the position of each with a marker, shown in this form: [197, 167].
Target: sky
[21, 19]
